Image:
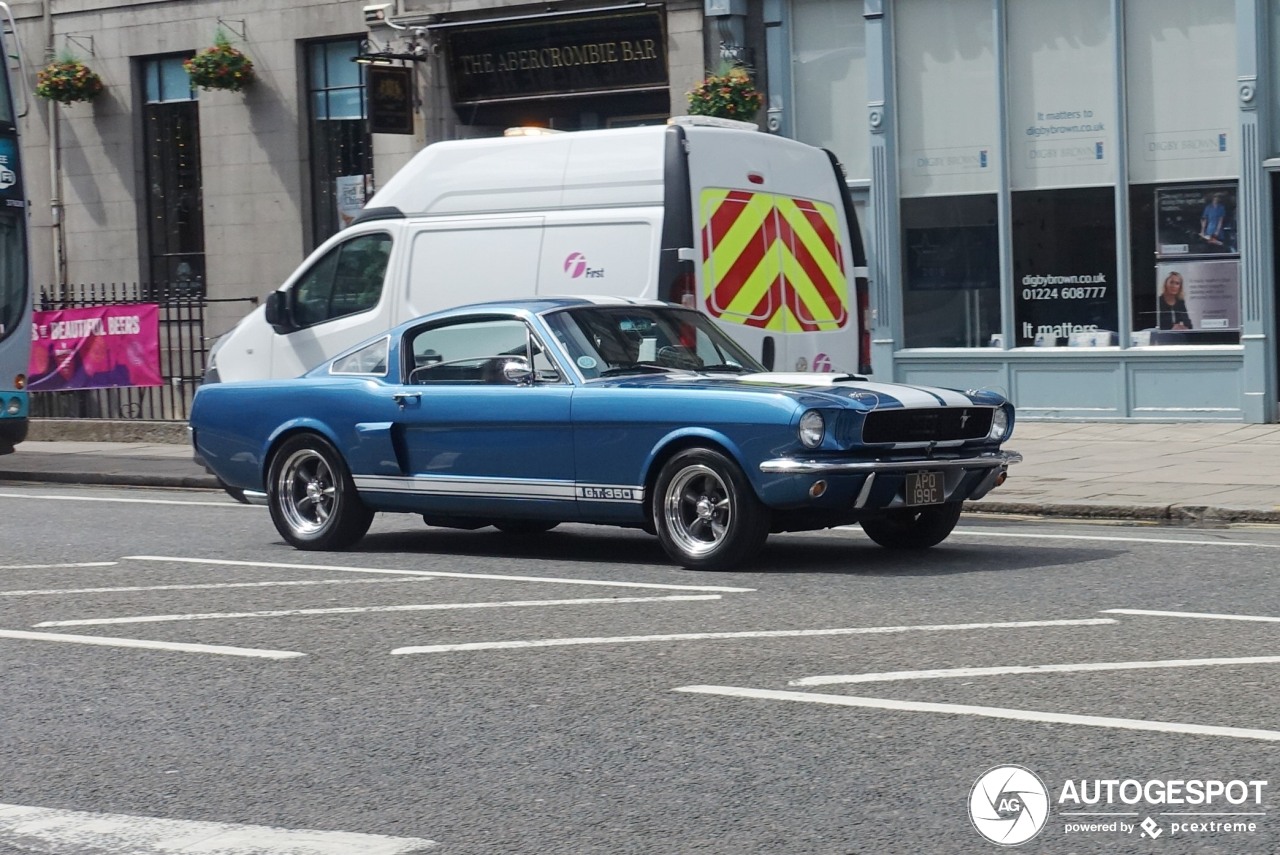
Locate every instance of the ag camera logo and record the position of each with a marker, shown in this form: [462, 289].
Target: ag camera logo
[1009, 805]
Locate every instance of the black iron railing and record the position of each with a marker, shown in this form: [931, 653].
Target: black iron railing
[184, 350]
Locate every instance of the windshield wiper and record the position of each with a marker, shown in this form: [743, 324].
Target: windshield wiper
[725, 367]
[637, 368]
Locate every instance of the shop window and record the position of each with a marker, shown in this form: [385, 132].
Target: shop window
[829, 79]
[1064, 262]
[1186, 263]
[174, 197]
[951, 294]
[948, 130]
[341, 148]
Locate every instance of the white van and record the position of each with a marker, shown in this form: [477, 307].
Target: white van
[755, 230]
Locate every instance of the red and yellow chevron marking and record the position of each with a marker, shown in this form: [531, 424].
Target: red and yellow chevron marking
[772, 261]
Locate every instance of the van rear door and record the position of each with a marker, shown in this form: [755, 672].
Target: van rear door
[777, 262]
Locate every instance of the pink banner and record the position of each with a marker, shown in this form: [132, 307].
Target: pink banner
[99, 347]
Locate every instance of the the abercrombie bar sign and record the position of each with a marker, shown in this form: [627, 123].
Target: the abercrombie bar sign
[574, 54]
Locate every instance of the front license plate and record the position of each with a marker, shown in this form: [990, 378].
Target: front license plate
[924, 488]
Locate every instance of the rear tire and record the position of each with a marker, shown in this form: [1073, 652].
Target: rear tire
[313, 500]
[706, 513]
[914, 528]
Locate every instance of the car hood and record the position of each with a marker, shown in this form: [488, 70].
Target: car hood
[820, 389]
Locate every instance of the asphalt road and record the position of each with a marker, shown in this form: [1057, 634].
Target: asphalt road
[167, 661]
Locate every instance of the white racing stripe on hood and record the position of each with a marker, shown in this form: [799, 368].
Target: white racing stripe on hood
[908, 396]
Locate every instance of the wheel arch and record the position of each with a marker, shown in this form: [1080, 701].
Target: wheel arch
[675, 443]
[287, 431]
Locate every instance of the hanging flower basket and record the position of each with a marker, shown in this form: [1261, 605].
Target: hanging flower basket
[220, 67]
[68, 80]
[728, 95]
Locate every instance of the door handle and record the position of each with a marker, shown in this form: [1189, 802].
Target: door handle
[402, 399]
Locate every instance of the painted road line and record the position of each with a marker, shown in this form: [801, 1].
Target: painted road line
[205, 586]
[150, 645]
[1201, 615]
[57, 566]
[986, 712]
[768, 633]
[356, 610]
[440, 573]
[227, 504]
[1000, 671]
[119, 834]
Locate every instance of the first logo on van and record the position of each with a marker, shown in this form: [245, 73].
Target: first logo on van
[576, 266]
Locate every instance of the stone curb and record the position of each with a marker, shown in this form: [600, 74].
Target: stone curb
[1174, 514]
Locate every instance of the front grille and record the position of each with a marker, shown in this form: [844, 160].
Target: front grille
[938, 424]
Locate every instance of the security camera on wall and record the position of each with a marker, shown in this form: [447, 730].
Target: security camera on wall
[378, 15]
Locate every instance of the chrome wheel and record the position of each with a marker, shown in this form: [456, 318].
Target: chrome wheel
[306, 492]
[312, 498]
[697, 510]
[705, 511]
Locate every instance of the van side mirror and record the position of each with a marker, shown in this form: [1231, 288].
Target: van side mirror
[767, 353]
[276, 310]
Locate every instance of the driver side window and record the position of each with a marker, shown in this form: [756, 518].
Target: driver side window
[346, 280]
[473, 352]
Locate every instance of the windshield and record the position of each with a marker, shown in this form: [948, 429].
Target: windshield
[605, 341]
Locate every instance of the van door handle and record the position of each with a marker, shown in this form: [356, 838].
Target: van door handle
[402, 399]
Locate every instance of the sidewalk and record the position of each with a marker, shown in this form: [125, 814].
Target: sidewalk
[1181, 473]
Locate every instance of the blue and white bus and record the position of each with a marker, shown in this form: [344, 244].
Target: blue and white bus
[15, 282]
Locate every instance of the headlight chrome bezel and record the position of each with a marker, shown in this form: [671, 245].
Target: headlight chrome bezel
[812, 429]
[1001, 424]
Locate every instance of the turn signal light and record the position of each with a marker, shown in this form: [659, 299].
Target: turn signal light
[20, 382]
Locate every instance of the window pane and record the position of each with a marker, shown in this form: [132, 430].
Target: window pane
[341, 151]
[951, 270]
[1062, 104]
[947, 123]
[362, 266]
[1064, 261]
[1180, 61]
[174, 195]
[344, 104]
[829, 78]
[340, 66]
[175, 83]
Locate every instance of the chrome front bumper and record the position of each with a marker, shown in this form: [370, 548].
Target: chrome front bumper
[791, 466]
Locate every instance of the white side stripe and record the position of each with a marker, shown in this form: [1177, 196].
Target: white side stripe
[77, 831]
[355, 610]
[986, 712]
[770, 633]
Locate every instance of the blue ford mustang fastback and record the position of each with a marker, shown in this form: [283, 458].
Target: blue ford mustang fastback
[526, 414]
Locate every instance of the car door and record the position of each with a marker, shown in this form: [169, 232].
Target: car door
[476, 441]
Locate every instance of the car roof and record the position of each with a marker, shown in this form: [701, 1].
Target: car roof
[548, 302]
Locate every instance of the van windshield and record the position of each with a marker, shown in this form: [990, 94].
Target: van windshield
[606, 341]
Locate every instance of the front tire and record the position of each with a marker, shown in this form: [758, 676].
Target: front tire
[312, 498]
[706, 513]
[914, 528]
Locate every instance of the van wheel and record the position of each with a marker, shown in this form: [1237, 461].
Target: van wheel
[312, 498]
[914, 528]
[525, 526]
[706, 513]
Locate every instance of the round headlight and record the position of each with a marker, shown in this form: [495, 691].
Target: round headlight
[999, 424]
[15, 406]
[812, 429]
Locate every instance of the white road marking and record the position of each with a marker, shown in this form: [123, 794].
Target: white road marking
[78, 831]
[770, 633]
[999, 671]
[986, 712]
[227, 504]
[149, 645]
[1202, 615]
[440, 573]
[354, 610]
[206, 586]
[57, 566]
